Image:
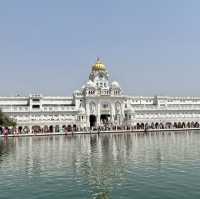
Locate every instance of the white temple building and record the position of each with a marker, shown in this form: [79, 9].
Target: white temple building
[99, 103]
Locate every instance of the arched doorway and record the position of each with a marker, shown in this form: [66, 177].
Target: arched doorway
[138, 126]
[51, 129]
[179, 125]
[69, 128]
[192, 124]
[74, 127]
[161, 125]
[152, 125]
[168, 125]
[26, 129]
[57, 128]
[64, 128]
[20, 129]
[175, 125]
[188, 125]
[36, 129]
[93, 120]
[105, 118]
[46, 129]
[196, 125]
[156, 125]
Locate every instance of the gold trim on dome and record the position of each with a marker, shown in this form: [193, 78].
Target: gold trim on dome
[99, 66]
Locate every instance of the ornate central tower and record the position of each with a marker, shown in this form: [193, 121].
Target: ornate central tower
[99, 75]
[102, 99]
[99, 83]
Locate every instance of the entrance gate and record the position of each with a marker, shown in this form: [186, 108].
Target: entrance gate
[93, 120]
[105, 118]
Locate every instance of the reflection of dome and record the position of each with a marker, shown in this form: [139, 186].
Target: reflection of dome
[90, 84]
[115, 84]
[99, 66]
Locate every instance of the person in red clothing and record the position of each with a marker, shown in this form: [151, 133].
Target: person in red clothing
[5, 131]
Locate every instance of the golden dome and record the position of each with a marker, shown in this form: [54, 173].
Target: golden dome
[98, 66]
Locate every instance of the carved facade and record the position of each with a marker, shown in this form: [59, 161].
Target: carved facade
[100, 102]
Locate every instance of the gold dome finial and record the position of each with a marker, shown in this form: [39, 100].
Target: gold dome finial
[98, 66]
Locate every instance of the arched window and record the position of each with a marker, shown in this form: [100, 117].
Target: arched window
[92, 107]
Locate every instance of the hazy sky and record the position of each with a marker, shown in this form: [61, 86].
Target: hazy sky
[149, 46]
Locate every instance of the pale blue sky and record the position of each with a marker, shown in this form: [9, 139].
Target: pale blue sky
[149, 46]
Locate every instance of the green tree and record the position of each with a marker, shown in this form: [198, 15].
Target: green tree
[6, 121]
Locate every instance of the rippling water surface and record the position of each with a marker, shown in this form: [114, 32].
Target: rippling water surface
[101, 166]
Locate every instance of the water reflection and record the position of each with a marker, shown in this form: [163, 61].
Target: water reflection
[96, 165]
[103, 167]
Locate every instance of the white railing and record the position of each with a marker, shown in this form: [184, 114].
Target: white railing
[157, 108]
[28, 109]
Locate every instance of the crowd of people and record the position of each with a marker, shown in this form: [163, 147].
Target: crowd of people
[105, 127]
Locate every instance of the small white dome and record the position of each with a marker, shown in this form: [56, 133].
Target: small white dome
[90, 84]
[82, 110]
[115, 84]
[76, 91]
[83, 87]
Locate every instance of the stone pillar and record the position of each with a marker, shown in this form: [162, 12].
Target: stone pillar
[60, 128]
[112, 113]
[98, 114]
[122, 117]
[87, 115]
[42, 128]
[31, 128]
